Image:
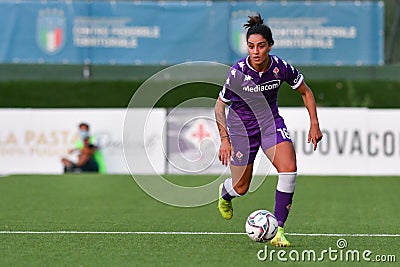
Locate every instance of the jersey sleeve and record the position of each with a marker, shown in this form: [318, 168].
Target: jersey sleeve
[227, 89]
[225, 94]
[292, 76]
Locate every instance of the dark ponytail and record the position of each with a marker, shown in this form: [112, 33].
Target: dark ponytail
[255, 25]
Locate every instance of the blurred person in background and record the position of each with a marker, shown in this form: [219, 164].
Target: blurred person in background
[90, 158]
[254, 121]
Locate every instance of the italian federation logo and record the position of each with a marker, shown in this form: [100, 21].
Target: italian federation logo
[237, 32]
[50, 30]
[238, 35]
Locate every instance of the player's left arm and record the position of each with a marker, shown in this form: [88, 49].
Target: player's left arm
[314, 134]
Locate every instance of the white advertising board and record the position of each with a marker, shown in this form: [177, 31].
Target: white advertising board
[357, 141]
[34, 140]
[143, 140]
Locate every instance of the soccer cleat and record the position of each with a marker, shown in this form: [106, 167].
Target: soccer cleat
[280, 240]
[224, 206]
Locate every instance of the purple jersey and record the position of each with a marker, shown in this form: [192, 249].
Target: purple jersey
[253, 95]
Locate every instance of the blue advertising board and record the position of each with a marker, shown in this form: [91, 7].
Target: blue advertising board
[317, 33]
[153, 33]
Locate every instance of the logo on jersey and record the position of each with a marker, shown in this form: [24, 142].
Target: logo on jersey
[241, 65]
[247, 78]
[276, 71]
[228, 81]
[233, 73]
[50, 30]
[271, 85]
[297, 78]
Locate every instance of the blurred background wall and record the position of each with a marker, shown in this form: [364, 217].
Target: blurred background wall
[130, 40]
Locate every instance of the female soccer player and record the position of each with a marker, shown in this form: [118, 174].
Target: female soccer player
[253, 121]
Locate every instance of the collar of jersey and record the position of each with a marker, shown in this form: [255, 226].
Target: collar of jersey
[253, 69]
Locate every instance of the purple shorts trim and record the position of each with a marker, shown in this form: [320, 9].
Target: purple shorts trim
[246, 147]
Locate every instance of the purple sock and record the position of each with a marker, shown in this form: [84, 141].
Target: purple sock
[283, 201]
[225, 194]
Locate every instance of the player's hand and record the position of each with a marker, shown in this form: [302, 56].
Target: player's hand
[225, 151]
[314, 135]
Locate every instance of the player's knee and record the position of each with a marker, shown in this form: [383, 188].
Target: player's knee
[288, 167]
[292, 167]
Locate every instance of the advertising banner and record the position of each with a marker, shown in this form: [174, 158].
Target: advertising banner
[128, 33]
[166, 33]
[35, 140]
[193, 142]
[316, 33]
[357, 141]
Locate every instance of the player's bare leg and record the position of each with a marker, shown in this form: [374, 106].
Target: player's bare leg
[234, 187]
[241, 178]
[68, 165]
[66, 162]
[283, 157]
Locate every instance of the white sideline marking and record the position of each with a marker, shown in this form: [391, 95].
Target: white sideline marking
[183, 233]
[346, 235]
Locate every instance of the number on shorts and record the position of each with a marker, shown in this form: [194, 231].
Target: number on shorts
[284, 133]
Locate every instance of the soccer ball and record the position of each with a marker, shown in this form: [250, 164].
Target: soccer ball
[261, 226]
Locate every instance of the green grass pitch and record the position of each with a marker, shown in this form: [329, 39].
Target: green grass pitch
[104, 218]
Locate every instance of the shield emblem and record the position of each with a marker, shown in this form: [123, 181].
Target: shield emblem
[50, 31]
[238, 35]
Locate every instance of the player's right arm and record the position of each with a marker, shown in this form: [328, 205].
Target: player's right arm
[225, 148]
